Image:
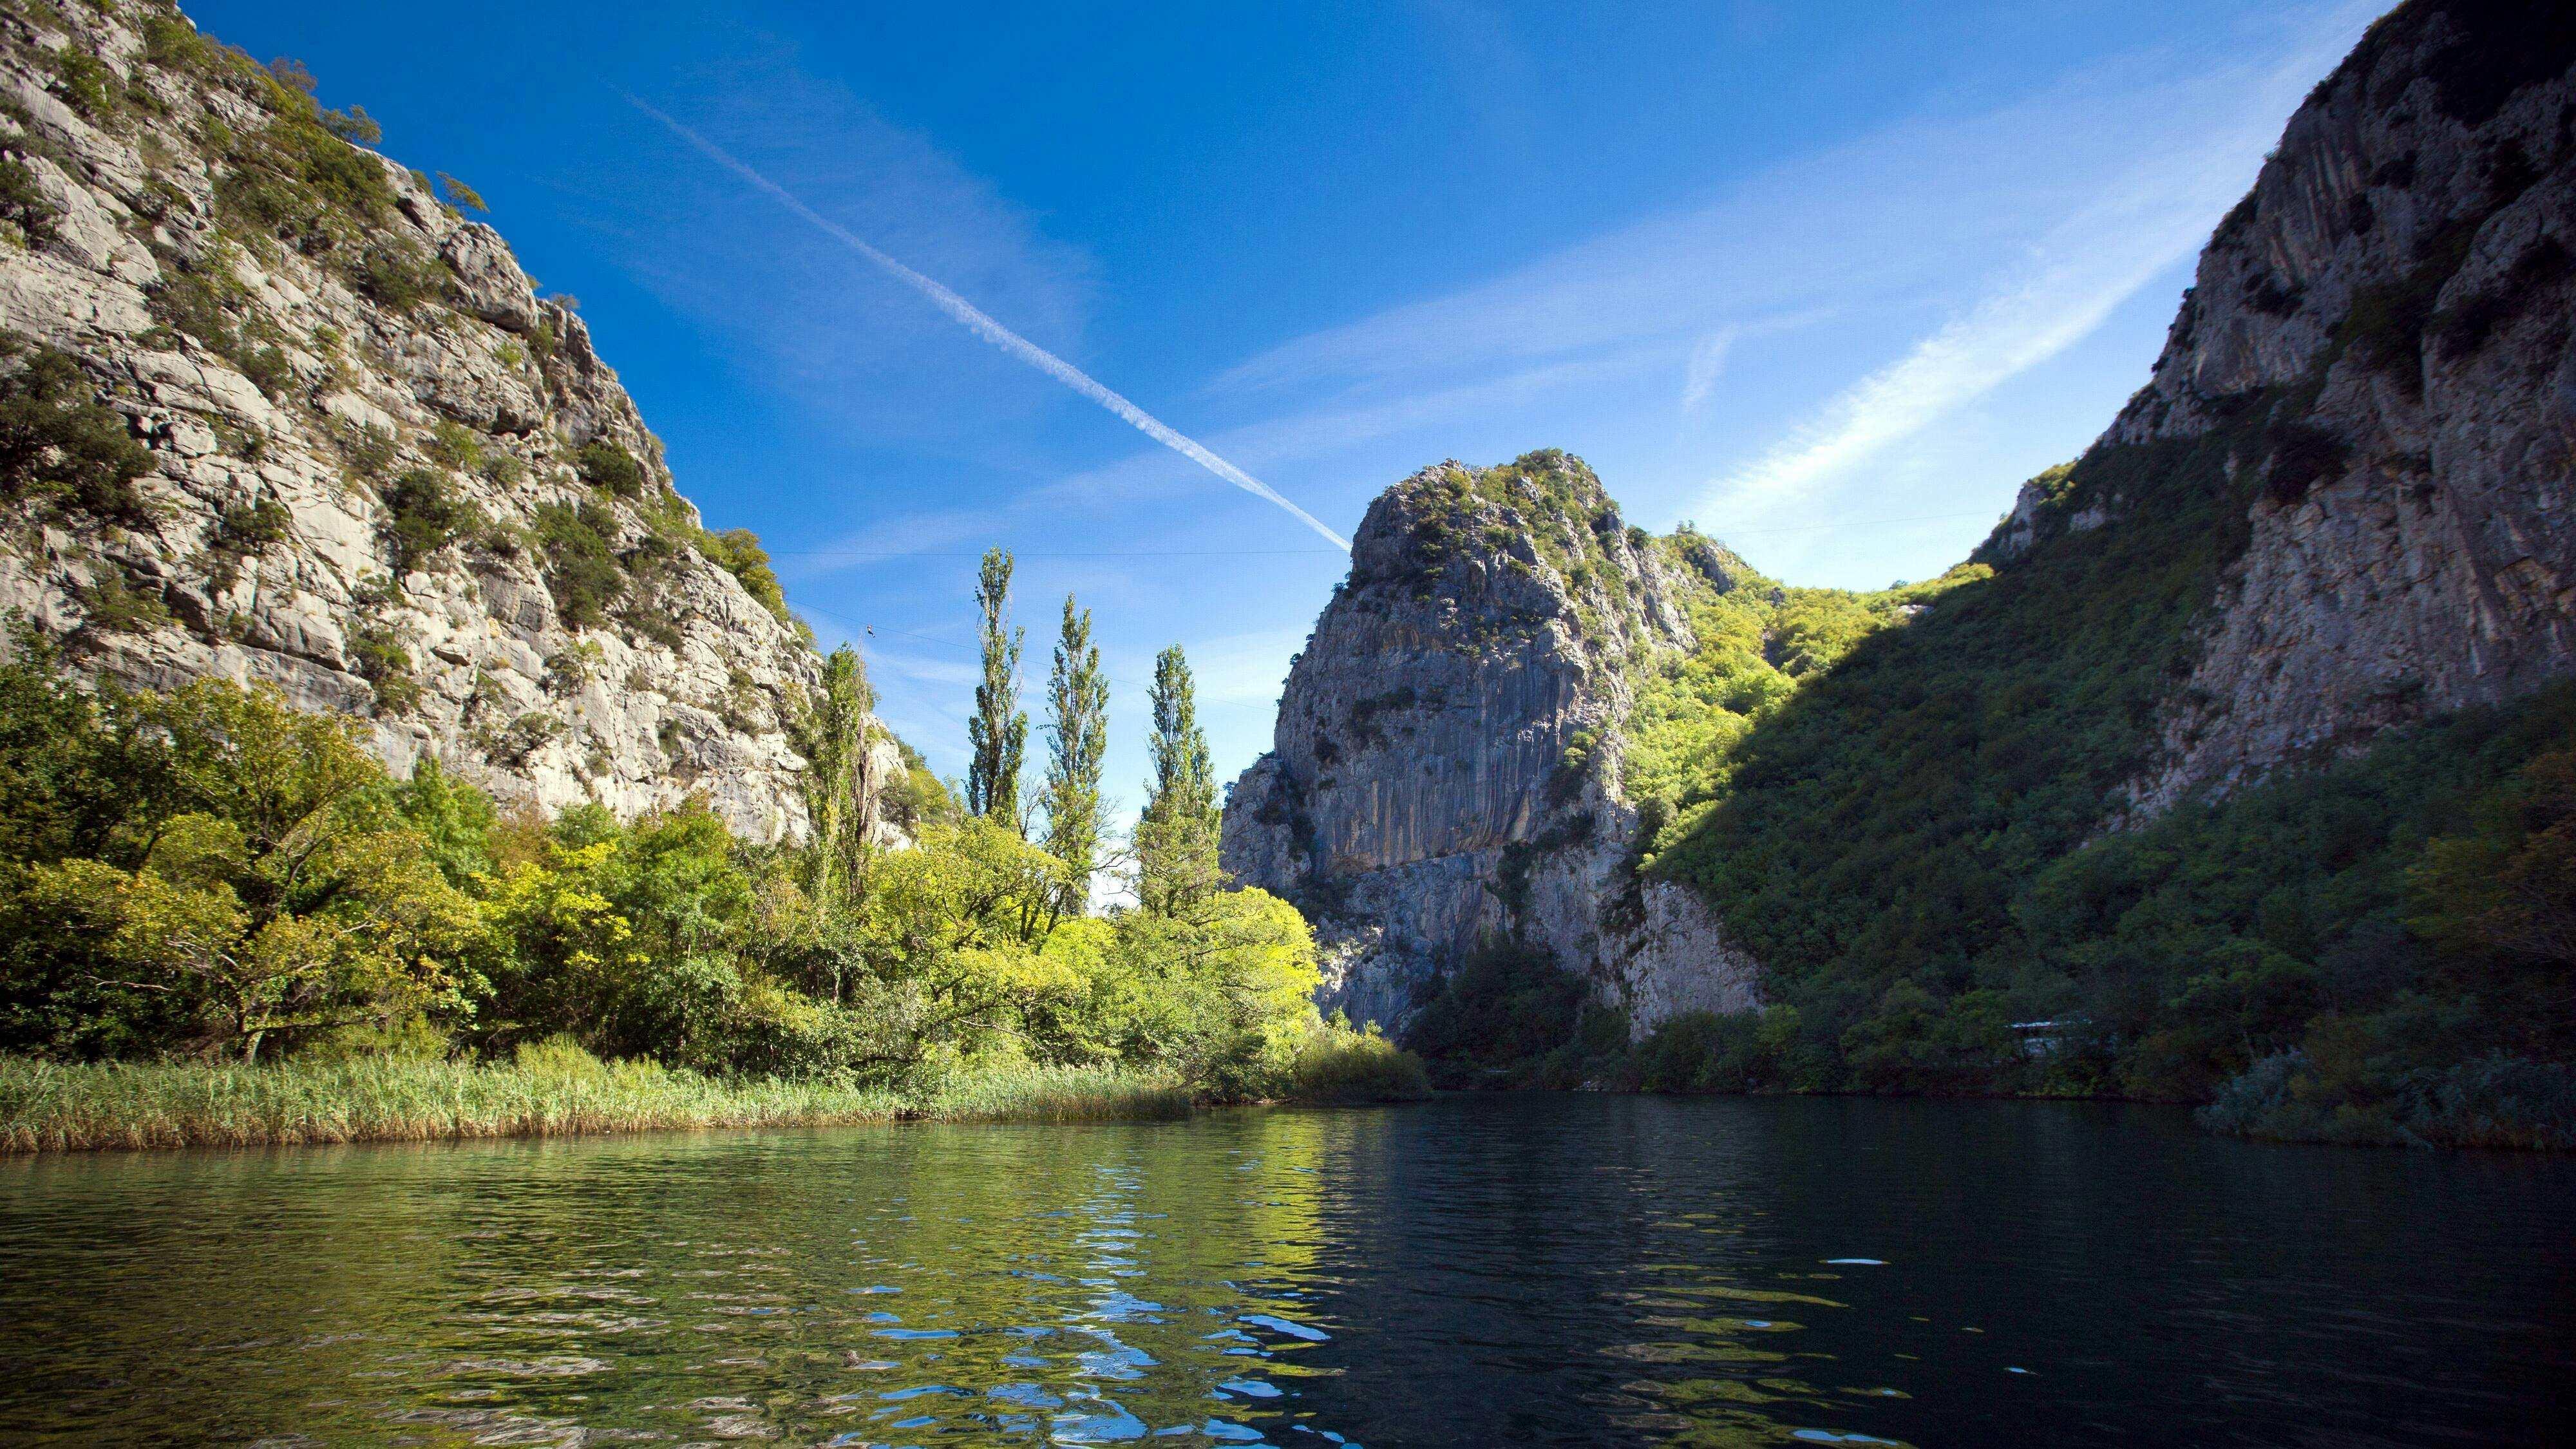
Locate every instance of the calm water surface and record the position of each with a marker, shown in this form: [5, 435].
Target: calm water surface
[1572, 1270]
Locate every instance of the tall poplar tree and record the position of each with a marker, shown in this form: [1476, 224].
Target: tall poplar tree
[1176, 840]
[998, 734]
[1077, 743]
[833, 737]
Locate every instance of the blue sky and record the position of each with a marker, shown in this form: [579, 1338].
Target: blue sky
[1829, 280]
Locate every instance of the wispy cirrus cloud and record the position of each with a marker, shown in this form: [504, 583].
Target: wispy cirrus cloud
[1973, 245]
[2142, 220]
[1707, 360]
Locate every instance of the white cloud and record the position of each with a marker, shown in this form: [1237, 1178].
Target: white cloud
[1707, 360]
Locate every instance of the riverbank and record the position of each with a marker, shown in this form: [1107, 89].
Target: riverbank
[56, 1107]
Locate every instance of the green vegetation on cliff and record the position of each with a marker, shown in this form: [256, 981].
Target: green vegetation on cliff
[1913, 844]
[1909, 806]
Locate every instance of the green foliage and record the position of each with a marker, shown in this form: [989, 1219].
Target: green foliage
[455, 820]
[113, 603]
[59, 446]
[1497, 1020]
[1756, 643]
[195, 300]
[210, 873]
[1874, 828]
[199, 298]
[80, 776]
[918, 796]
[738, 552]
[832, 735]
[604, 465]
[245, 530]
[1077, 750]
[249, 889]
[354, 126]
[171, 43]
[381, 660]
[581, 563]
[997, 732]
[400, 276]
[50, 1106]
[460, 195]
[297, 182]
[1336, 1065]
[370, 451]
[86, 84]
[1176, 836]
[1705, 1052]
[1218, 989]
[23, 204]
[453, 446]
[424, 517]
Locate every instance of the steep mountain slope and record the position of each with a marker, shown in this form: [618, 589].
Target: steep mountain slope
[2342, 505]
[381, 473]
[2396, 294]
[1474, 743]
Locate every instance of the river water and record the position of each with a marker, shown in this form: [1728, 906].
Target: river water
[1577, 1270]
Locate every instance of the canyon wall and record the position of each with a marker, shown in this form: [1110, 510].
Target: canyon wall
[385, 476]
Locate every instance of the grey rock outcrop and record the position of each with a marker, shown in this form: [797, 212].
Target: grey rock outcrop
[1445, 763]
[2397, 293]
[317, 383]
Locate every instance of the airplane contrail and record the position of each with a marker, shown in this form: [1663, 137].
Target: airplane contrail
[982, 325]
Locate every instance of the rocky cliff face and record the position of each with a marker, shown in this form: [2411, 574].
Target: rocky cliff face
[384, 475]
[2393, 304]
[1445, 762]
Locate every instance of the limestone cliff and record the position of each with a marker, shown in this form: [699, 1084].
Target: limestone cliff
[384, 475]
[2392, 303]
[1446, 756]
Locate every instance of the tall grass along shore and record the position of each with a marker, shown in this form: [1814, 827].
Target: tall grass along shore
[53, 1107]
[556, 1089]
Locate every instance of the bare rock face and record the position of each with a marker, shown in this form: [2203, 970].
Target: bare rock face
[1445, 761]
[387, 476]
[2396, 295]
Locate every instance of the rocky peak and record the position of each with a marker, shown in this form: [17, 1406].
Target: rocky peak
[1442, 740]
[382, 473]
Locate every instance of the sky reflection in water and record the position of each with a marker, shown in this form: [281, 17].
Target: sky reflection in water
[1553, 1270]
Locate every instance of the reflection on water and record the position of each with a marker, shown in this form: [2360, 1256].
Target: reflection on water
[1525, 1270]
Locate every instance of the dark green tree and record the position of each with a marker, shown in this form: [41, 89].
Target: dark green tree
[1078, 744]
[998, 734]
[58, 444]
[1176, 840]
[834, 741]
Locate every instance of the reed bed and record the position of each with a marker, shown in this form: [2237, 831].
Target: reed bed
[55, 1107]
[1339, 1067]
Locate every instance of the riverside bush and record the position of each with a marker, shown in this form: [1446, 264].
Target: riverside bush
[199, 884]
[1336, 1065]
